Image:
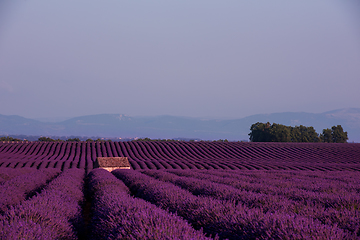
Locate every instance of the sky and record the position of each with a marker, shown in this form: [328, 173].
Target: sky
[194, 58]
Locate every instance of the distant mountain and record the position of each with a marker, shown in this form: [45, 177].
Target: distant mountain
[119, 125]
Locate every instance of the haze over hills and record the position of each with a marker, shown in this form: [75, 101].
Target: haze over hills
[119, 125]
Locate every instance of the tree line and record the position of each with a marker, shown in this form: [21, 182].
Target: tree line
[10, 139]
[47, 139]
[266, 132]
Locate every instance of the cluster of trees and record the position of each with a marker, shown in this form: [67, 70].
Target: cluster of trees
[266, 132]
[221, 140]
[175, 140]
[149, 139]
[11, 139]
[47, 139]
[98, 140]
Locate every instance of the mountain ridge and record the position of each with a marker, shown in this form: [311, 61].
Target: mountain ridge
[166, 126]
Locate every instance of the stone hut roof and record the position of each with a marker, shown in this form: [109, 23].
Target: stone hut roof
[112, 163]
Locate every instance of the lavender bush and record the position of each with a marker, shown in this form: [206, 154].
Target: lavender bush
[116, 215]
[229, 220]
[340, 210]
[16, 189]
[55, 213]
[9, 173]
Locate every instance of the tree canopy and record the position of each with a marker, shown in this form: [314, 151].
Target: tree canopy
[334, 135]
[10, 139]
[45, 139]
[73, 140]
[266, 132]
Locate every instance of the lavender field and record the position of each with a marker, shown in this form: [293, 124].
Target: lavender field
[184, 155]
[180, 190]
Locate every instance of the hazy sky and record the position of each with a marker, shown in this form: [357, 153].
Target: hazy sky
[196, 58]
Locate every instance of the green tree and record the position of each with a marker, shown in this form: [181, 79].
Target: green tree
[265, 132]
[45, 139]
[10, 139]
[338, 135]
[334, 135]
[279, 133]
[295, 134]
[304, 134]
[260, 132]
[73, 140]
[326, 136]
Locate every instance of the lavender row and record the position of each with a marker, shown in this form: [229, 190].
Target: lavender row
[338, 198]
[9, 173]
[201, 187]
[317, 184]
[16, 189]
[181, 164]
[345, 177]
[116, 215]
[55, 213]
[347, 218]
[225, 218]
